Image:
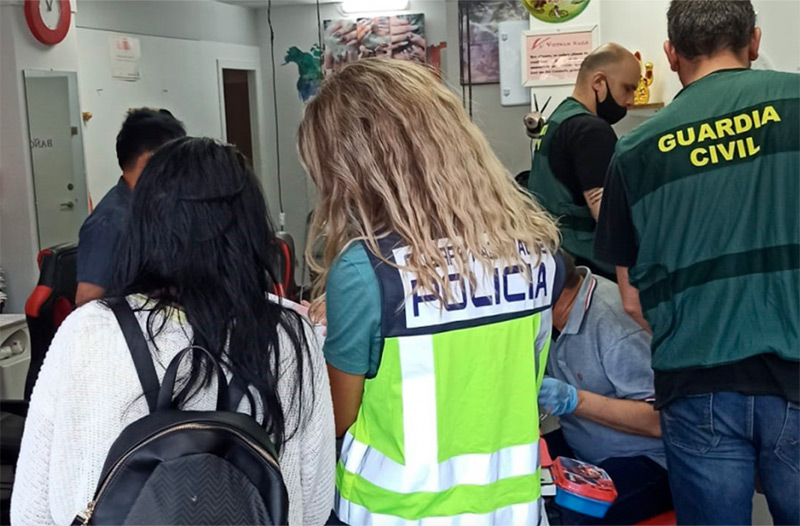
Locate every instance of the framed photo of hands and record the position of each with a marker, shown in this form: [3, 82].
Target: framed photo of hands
[401, 37]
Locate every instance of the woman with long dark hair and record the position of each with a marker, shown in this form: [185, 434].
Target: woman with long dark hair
[193, 263]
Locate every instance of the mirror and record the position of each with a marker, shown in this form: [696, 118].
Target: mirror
[56, 142]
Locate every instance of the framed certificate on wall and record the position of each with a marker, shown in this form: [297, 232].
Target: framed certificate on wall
[554, 57]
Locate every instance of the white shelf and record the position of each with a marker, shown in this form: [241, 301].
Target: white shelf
[646, 110]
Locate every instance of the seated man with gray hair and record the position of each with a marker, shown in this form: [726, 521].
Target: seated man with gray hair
[600, 384]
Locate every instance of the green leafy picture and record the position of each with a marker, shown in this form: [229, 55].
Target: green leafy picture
[309, 66]
[555, 11]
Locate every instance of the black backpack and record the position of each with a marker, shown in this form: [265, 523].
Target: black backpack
[187, 467]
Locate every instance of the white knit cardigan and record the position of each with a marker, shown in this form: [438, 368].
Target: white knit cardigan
[88, 392]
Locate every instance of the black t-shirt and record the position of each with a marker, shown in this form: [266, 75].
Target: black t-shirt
[580, 153]
[761, 375]
[615, 239]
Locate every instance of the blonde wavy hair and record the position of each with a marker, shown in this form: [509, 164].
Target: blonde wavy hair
[391, 149]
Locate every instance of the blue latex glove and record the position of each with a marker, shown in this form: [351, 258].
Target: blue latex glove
[557, 397]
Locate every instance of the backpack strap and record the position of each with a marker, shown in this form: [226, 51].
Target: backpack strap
[140, 352]
[165, 396]
[238, 390]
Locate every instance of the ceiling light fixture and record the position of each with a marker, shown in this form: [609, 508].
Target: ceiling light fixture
[363, 6]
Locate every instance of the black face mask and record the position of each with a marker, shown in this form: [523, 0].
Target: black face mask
[609, 110]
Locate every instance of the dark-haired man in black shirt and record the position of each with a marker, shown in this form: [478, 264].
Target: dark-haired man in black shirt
[142, 133]
[576, 145]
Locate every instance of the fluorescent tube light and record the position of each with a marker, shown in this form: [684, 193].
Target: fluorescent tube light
[363, 6]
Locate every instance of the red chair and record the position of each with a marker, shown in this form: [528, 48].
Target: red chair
[665, 519]
[51, 302]
[286, 286]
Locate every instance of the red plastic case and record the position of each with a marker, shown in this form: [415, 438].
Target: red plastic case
[583, 487]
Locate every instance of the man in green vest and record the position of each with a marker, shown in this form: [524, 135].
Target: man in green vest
[576, 145]
[701, 217]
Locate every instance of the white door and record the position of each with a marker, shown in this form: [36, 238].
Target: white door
[57, 156]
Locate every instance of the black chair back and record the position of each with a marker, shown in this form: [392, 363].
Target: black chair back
[51, 302]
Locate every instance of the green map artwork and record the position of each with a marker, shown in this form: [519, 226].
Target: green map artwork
[555, 11]
[309, 68]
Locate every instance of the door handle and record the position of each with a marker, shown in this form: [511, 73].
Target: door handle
[69, 205]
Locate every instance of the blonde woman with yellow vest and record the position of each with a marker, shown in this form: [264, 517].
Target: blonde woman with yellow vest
[438, 273]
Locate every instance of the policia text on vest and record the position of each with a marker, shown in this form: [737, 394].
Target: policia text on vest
[737, 127]
[503, 291]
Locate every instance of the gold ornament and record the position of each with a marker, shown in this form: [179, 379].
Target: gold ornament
[642, 95]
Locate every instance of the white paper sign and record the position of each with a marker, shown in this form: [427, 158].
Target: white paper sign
[554, 57]
[126, 53]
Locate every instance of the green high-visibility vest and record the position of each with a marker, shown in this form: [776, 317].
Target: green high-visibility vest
[449, 426]
[575, 222]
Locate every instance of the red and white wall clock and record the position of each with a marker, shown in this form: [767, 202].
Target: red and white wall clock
[48, 20]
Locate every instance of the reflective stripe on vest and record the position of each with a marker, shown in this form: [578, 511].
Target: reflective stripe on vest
[425, 448]
[473, 469]
[525, 514]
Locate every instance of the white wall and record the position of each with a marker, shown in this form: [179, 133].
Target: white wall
[293, 27]
[646, 35]
[642, 25]
[19, 50]
[502, 125]
[185, 19]
[297, 26]
[178, 75]
[635, 24]
[780, 23]
[181, 42]
[778, 19]
[780, 45]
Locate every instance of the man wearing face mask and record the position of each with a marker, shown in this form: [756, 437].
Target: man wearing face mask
[576, 145]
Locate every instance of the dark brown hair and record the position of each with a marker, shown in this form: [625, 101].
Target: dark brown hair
[704, 27]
